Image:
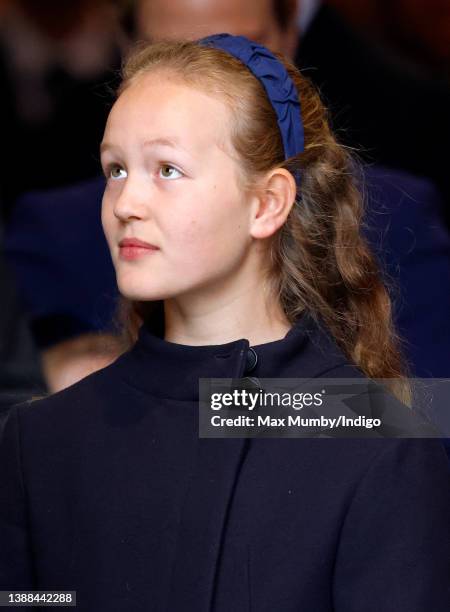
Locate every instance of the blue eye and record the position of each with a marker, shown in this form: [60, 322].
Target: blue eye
[167, 172]
[114, 172]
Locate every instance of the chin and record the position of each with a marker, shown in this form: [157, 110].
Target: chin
[139, 289]
[136, 292]
[143, 296]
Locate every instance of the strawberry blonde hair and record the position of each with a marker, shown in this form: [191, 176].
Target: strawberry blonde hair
[320, 259]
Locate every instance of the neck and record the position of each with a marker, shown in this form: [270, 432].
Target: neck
[247, 313]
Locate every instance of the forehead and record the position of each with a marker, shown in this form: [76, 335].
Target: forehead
[157, 106]
[160, 19]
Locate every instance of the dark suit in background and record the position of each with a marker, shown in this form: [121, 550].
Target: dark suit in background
[397, 118]
[56, 246]
[20, 369]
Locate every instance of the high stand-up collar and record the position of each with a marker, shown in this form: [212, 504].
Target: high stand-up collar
[172, 371]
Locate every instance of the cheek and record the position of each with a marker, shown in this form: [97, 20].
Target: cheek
[209, 239]
[189, 240]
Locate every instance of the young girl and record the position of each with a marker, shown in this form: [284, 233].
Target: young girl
[234, 228]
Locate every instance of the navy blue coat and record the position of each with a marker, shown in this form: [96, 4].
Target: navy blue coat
[107, 489]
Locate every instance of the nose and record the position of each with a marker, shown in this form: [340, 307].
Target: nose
[133, 200]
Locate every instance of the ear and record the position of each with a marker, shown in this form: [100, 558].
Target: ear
[273, 203]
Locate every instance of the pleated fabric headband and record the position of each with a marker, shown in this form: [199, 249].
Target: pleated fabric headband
[276, 81]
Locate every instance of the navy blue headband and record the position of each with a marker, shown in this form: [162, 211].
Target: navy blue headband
[279, 86]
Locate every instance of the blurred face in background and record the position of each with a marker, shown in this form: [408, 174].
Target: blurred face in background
[192, 19]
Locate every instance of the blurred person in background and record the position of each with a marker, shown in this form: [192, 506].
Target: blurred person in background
[382, 69]
[57, 249]
[55, 57]
[415, 32]
[57, 63]
[403, 216]
[21, 376]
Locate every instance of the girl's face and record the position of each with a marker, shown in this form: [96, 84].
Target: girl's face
[172, 183]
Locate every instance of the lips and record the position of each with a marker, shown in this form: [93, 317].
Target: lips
[133, 248]
[136, 243]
